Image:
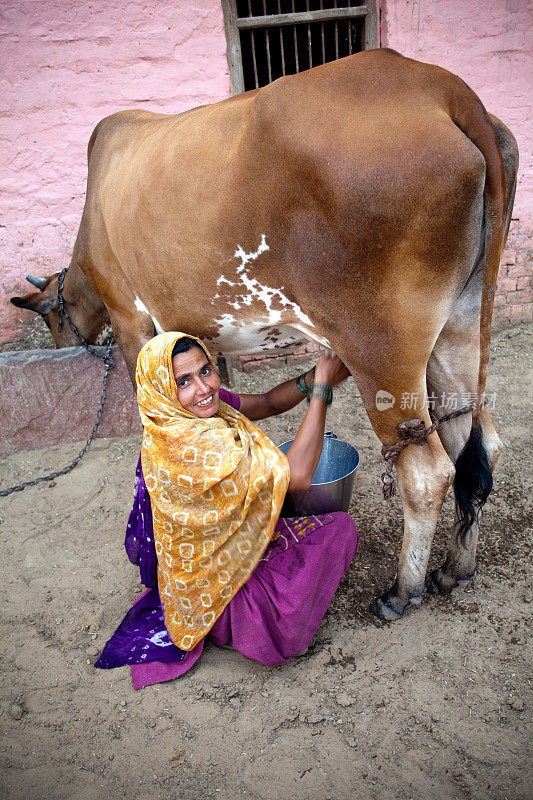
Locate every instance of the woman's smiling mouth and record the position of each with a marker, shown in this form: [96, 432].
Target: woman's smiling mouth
[207, 401]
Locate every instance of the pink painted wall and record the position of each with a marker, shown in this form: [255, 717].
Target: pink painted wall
[65, 65]
[490, 45]
[68, 63]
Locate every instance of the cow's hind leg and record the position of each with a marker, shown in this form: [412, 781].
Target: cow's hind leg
[453, 367]
[452, 381]
[460, 564]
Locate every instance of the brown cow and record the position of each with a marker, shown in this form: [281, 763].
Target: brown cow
[362, 204]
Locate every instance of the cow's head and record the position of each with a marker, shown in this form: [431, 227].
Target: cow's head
[85, 308]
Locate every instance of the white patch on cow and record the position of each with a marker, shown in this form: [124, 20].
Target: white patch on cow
[235, 338]
[237, 335]
[223, 279]
[254, 290]
[139, 305]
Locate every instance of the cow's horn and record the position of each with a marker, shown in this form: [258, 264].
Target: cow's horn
[39, 283]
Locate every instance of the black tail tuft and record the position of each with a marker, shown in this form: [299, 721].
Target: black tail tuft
[473, 479]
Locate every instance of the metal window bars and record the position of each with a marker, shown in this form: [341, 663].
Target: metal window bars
[271, 38]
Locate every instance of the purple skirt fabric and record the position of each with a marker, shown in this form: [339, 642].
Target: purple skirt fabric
[270, 619]
[277, 612]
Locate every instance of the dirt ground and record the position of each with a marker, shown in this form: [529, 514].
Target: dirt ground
[432, 706]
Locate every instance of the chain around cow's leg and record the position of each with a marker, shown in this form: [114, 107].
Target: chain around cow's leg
[424, 475]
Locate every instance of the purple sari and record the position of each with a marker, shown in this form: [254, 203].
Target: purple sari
[270, 619]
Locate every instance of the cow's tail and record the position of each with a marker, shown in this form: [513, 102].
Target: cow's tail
[473, 476]
[473, 479]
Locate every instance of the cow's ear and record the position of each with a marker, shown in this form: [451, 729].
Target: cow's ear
[35, 302]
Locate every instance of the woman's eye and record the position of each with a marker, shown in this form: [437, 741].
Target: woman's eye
[206, 370]
[182, 383]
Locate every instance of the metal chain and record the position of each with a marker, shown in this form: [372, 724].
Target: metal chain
[62, 312]
[106, 357]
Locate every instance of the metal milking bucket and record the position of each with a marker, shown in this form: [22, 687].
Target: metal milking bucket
[332, 484]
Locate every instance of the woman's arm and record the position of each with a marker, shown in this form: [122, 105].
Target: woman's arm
[286, 395]
[304, 452]
[279, 399]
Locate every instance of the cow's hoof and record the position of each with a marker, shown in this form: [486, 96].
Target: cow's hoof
[464, 580]
[439, 582]
[417, 599]
[384, 609]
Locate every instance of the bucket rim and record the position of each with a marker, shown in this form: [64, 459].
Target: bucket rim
[347, 475]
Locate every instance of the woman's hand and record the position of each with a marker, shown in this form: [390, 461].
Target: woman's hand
[330, 369]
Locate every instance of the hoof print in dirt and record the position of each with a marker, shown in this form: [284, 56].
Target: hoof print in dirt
[16, 711]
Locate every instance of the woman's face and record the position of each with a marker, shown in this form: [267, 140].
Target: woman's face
[197, 382]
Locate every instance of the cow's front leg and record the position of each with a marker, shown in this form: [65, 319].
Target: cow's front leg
[424, 474]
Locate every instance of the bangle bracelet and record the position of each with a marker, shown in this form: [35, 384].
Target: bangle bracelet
[322, 391]
[301, 384]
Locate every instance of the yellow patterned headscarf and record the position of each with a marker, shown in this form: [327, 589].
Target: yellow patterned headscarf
[216, 485]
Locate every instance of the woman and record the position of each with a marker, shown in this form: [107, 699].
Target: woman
[207, 537]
